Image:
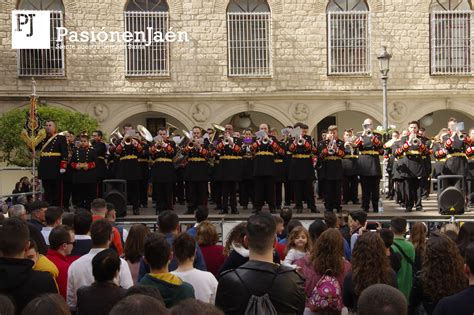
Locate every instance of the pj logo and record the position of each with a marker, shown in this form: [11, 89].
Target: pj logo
[30, 29]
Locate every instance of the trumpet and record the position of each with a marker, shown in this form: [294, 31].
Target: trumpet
[332, 147]
[301, 141]
[265, 140]
[415, 141]
[228, 141]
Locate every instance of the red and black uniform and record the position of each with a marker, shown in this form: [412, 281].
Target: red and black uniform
[53, 159]
[456, 158]
[196, 176]
[301, 172]
[215, 185]
[246, 189]
[144, 162]
[163, 175]
[67, 179]
[83, 162]
[370, 149]
[101, 166]
[332, 153]
[280, 173]
[129, 170]
[264, 172]
[350, 176]
[470, 175]
[229, 172]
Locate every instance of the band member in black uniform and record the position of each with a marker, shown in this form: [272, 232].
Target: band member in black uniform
[128, 168]
[320, 164]
[332, 152]
[246, 188]
[83, 162]
[370, 147]
[100, 165]
[301, 173]
[289, 195]
[426, 157]
[53, 163]
[395, 172]
[230, 169]
[67, 177]
[350, 169]
[439, 153]
[163, 174]
[197, 170]
[280, 170]
[413, 167]
[455, 145]
[144, 163]
[470, 172]
[264, 148]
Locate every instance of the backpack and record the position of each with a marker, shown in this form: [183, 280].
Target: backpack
[326, 295]
[259, 305]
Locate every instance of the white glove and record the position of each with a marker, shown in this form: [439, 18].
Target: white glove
[62, 170]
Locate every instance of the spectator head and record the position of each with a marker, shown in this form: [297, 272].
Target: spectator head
[382, 299]
[398, 225]
[286, 214]
[139, 304]
[280, 225]
[148, 290]
[192, 306]
[298, 235]
[50, 303]
[82, 222]
[357, 219]
[236, 237]
[316, 229]
[6, 306]
[157, 251]
[53, 216]
[111, 212]
[22, 200]
[133, 249]
[101, 233]
[168, 222]
[17, 211]
[292, 224]
[202, 212]
[327, 253]
[469, 260]
[105, 265]
[330, 219]
[206, 234]
[184, 248]
[14, 238]
[68, 219]
[465, 236]
[387, 237]
[37, 210]
[32, 253]
[418, 235]
[261, 233]
[61, 239]
[99, 207]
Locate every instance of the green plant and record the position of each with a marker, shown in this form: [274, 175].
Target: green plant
[14, 150]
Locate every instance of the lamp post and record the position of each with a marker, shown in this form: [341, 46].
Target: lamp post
[384, 63]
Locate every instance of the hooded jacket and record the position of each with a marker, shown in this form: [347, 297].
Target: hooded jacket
[21, 283]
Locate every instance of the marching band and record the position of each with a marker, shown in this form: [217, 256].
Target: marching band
[231, 168]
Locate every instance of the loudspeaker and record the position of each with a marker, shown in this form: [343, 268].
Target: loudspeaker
[115, 192]
[451, 198]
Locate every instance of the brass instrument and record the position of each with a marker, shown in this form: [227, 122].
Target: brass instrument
[115, 136]
[218, 131]
[171, 128]
[301, 141]
[144, 133]
[332, 147]
[414, 141]
[265, 140]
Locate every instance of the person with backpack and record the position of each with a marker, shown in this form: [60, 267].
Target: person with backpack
[260, 286]
[324, 270]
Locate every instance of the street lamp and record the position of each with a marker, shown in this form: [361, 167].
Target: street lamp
[384, 63]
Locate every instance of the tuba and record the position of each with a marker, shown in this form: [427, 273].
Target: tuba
[144, 133]
[115, 136]
[218, 131]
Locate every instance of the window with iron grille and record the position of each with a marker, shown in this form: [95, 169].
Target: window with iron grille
[249, 38]
[43, 62]
[450, 33]
[142, 58]
[348, 37]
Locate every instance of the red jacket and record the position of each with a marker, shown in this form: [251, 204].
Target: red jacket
[214, 258]
[62, 264]
[117, 240]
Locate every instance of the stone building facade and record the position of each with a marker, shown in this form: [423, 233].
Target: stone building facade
[199, 91]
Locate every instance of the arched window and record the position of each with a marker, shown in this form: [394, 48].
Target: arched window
[451, 37]
[249, 38]
[44, 62]
[146, 57]
[348, 37]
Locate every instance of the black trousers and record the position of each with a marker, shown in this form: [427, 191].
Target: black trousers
[278, 194]
[412, 192]
[289, 196]
[332, 194]
[164, 196]
[67, 194]
[303, 190]
[143, 191]
[370, 192]
[229, 195]
[425, 187]
[52, 191]
[321, 188]
[246, 192]
[85, 193]
[133, 191]
[264, 191]
[216, 193]
[197, 194]
[350, 188]
[399, 191]
[470, 192]
[391, 187]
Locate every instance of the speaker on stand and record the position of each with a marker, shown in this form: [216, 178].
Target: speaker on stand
[451, 198]
[115, 192]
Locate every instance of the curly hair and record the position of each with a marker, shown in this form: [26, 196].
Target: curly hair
[206, 234]
[442, 269]
[236, 236]
[418, 234]
[327, 253]
[370, 264]
[294, 235]
[465, 236]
